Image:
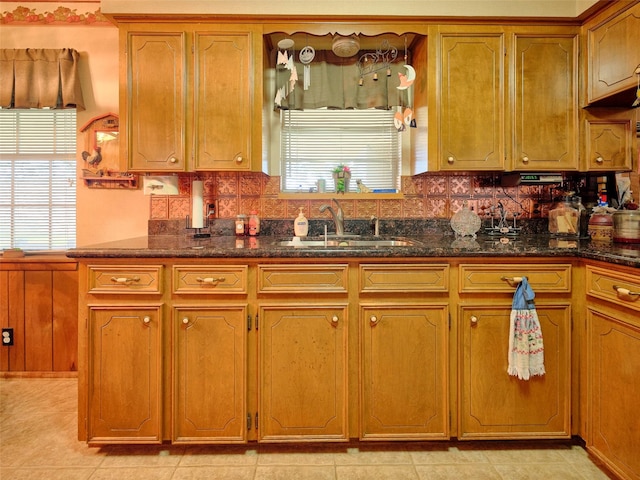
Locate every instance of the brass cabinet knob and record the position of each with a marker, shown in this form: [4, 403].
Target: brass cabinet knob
[474, 320]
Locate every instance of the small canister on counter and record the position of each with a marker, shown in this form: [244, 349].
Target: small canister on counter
[241, 225]
[626, 226]
[254, 223]
[601, 227]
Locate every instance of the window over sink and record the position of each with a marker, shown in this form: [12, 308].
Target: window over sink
[327, 109]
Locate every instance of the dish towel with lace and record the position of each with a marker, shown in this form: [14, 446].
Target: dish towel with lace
[526, 349]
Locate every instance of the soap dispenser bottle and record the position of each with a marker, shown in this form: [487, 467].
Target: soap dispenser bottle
[301, 225]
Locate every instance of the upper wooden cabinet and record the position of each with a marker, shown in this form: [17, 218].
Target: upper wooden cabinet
[613, 55]
[544, 111]
[506, 99]
[153, 101]
[609, 144]
[187, 97]
[471, 120]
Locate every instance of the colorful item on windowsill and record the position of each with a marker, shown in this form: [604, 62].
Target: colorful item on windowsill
[342, 178]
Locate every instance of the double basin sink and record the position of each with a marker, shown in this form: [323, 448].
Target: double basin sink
[346, 242]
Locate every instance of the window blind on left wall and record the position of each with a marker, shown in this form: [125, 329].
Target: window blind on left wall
[37, 179]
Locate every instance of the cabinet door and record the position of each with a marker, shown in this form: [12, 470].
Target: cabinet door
[613, 365]
[493, 404]
[545, 108]
[209, 374]
[613, 55]
[153, 97]
[124, 393]
[609, 144]
[471, 110]
[404, 368]
[303, 373]
[222, 101]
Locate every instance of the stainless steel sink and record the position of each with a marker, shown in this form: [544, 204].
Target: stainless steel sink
[348, 243]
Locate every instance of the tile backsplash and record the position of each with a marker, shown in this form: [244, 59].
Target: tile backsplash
[426, 196]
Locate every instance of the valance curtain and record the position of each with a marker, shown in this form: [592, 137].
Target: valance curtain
[40, 78]
[334, 84]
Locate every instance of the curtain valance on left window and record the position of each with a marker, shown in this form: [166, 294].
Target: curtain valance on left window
[40, 78]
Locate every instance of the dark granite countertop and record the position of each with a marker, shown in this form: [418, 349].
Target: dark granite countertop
[428, 245]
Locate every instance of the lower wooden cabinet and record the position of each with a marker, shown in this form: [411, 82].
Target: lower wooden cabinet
[209, 374]
[404, 372]
[125, 374]
[302, 351]
[614, 390]
[493, 404]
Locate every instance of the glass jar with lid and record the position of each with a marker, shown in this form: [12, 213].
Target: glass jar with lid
[564, 218]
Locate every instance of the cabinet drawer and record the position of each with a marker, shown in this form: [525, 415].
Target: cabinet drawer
[302, 278]
[404, 278]
[210, 279]
[125, 279]
[620, 288]
[554, 278]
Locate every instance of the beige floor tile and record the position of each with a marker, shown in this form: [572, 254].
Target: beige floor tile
[287, 457]
[199, 455]
[133, 473]
[457, 472]
[373, 455]
[218, 472]
[295, 472]
[538, 471]
[448, 456]
[142, 456]
[376, 472]
[29, 473]
[524, 455]
[590, 471]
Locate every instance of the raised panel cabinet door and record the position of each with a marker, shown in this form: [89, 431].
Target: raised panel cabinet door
[222, 92]
[210, 374]
[303, 373]
[613, 365]
[125, 369]
[471, 111]
[494, 404]
[613, 55]
[609, 144]
[545, 106]
[155, 101]
[404, 367]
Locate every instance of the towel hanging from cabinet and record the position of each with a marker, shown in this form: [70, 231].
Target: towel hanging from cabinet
[526, 347]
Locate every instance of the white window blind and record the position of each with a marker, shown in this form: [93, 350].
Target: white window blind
[37, 179]
[314, 142]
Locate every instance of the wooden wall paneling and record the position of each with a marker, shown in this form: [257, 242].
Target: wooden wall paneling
[65, 321]
[37, 320]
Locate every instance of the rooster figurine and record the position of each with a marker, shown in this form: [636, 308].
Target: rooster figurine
[94, 158]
